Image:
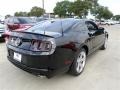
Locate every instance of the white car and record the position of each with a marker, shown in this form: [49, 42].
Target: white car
[2, 29]
[110, 22]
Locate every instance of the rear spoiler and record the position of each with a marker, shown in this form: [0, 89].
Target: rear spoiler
[29, 35]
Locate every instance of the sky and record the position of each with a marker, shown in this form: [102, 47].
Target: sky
[11, 6]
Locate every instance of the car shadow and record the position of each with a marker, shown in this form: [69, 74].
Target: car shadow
[2, 40]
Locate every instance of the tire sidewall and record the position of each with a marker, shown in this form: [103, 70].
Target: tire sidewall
[74, 65]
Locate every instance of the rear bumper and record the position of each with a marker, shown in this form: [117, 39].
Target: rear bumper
[48, 65]
[35, 71]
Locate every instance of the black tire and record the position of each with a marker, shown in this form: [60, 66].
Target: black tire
[104, 46]
[73, 69]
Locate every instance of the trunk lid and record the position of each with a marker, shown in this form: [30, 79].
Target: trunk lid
[23, 40]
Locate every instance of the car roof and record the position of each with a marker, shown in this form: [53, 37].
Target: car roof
[68, 19]
[63, 19]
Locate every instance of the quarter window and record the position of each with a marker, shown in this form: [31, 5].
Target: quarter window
[91, 26]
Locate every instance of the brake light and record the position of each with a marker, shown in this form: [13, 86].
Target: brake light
[41, 45]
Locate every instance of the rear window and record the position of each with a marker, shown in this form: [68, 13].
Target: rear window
[25, 20]
[53, 26]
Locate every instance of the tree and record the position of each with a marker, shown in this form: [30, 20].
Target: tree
[116, 17]
[95, 6]
[21, 14]
[81, 7]
[63, 8]
[36, 11]
[103, 12]
[7, 16]
[92, 3]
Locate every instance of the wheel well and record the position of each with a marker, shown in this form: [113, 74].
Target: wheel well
[86, 48]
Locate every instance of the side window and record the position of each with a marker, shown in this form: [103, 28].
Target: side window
[91, 26]
[79, 27]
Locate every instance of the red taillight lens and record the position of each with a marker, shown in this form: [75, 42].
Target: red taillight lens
[41, 45]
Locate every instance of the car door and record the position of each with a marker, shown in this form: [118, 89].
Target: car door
[96, 33]
[92, 27]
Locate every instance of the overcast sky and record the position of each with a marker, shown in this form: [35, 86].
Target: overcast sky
[11, 6]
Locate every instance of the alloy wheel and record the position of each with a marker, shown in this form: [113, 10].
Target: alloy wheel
[81, 62]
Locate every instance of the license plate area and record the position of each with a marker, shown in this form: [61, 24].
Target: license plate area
[17, 57]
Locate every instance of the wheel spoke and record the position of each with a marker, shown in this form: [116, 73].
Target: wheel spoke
[81, 61]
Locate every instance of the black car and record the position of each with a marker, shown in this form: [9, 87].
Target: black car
[56, 46]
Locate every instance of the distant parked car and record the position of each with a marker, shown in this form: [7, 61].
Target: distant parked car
[103, 22]
[2, 29]
[1, 22]
[116, 22]
[56, 46]
[14, 23]
[110, 22]
[17, 24]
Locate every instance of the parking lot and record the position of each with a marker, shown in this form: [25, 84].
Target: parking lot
[102, 71]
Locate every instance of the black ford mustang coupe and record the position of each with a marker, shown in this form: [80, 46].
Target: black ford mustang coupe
[55, 46]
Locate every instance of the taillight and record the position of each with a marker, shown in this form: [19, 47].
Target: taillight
[44, 46]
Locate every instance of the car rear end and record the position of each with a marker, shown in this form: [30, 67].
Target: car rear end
[41, 50]
[31, 52]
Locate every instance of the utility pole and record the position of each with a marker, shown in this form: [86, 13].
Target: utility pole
[43, 4]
